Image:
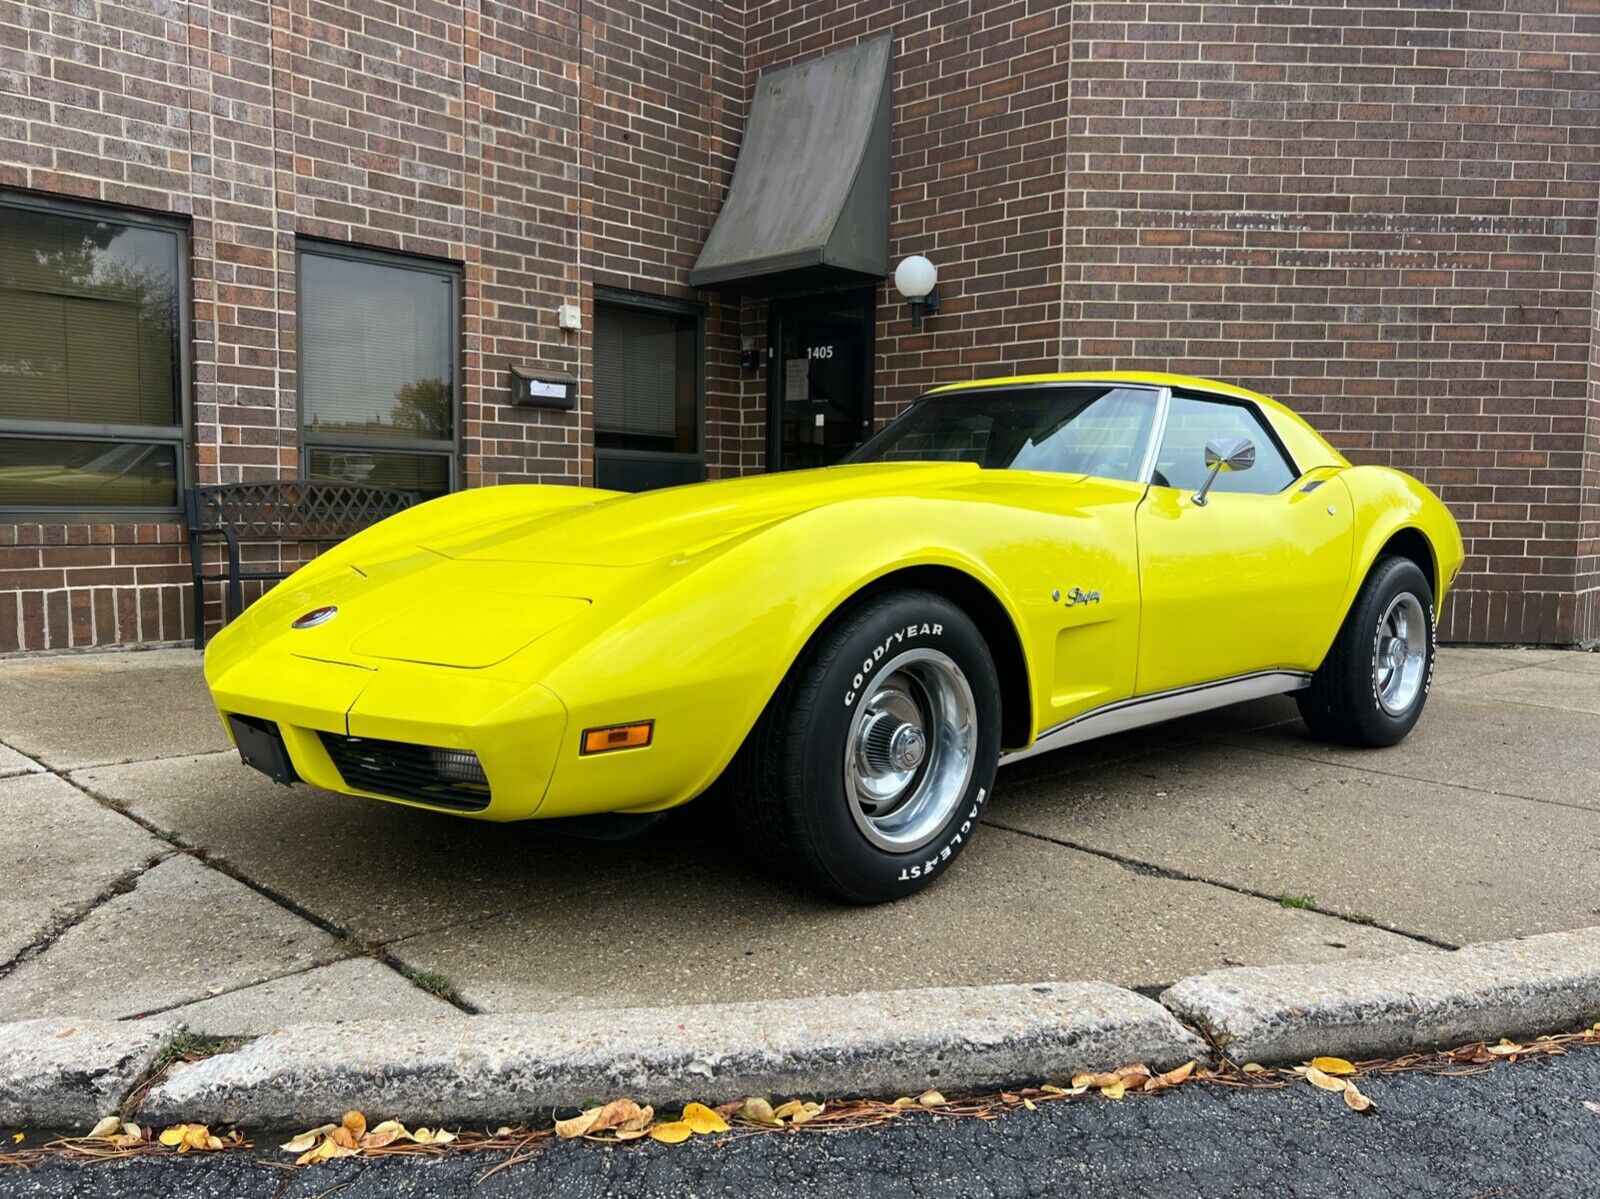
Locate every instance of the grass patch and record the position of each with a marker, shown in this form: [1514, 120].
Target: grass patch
[1359, 918]
[432, 982]
[1303, 902]
[185, 1046]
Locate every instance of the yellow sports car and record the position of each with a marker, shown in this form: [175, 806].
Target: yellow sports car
[1009, 567]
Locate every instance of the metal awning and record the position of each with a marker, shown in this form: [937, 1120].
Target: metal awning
[809, 201]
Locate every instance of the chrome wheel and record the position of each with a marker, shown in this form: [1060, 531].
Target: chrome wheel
[911, 749]
[1400, 659]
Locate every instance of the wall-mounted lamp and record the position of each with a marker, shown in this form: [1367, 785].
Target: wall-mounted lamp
[915, 279]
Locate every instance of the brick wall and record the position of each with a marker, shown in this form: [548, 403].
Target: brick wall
[977, 178]
[1384, 213]
[544, 146]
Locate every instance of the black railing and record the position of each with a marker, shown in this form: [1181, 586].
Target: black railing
[296, 511]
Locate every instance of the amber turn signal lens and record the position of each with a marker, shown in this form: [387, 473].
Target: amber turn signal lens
[618, 736]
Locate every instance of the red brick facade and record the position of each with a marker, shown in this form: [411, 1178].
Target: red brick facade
[1383, 213]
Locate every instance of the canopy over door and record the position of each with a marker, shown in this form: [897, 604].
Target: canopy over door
[809, 201]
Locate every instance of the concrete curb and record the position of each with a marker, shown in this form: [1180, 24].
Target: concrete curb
[960, 1039]
[478, 1068]
[1520, 988]
[61, 1074]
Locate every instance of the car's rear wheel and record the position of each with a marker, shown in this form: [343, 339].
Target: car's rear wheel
[1371, 689]
[868, 771]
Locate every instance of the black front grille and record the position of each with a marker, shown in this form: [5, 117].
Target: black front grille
[404, 771]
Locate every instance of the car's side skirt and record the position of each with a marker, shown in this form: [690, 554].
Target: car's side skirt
[1164, 705]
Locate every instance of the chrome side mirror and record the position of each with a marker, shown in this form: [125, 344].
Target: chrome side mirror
[1225, 453]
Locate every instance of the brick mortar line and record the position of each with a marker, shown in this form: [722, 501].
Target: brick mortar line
[1167, 872]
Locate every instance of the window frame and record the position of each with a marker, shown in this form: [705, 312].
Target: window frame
[356, 442]
[1159, 435]
[178, 435]
[613, 297]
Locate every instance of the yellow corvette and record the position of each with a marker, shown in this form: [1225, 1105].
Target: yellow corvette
[1009, 567]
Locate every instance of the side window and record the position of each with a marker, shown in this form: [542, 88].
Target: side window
[1191, 423]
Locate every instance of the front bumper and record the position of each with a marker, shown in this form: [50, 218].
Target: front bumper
[515, 730]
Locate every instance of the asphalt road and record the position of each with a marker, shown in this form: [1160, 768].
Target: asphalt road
[1518, 1130]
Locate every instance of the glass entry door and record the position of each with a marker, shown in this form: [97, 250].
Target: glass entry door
[819, 385]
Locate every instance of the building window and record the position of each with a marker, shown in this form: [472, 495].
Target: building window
[649, 385]
[379, 378]
[93, 359]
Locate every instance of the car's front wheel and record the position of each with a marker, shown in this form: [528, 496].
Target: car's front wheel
[868, 772]
[1371, 688]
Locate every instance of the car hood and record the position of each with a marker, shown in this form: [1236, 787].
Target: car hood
[630, 530]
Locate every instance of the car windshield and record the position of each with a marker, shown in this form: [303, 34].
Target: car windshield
[1095, 430]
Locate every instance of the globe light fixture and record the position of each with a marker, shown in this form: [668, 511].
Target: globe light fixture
[916, 278]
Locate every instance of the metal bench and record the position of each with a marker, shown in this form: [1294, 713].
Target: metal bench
[295, 511]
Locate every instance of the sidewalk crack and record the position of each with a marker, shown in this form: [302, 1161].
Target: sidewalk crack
[1414, 778]
[59, 927]
[1167, 872]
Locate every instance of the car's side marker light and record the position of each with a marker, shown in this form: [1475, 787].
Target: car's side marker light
[618, 736]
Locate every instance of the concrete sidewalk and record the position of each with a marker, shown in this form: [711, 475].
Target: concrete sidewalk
[148, 872]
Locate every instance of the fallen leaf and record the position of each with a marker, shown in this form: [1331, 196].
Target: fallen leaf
[630, 1134]
[638, 1122]
[702, 1120]
[1355, 1100]
[305, 1140]
[612, 1115]
[578, 1126]
[1090, 1078]
[130, 1129]
[384, 1134]
[1116, 1090]
[1333, 1065]
[932, 1098]
[327, 1149]
[759, 1111]
[797, 1112]
[1171, 1078]
[356, 1123]
[343, 1136]
[1030, 1105]
[671, 1134]
[1050, 1088]
[18, 1137]
[1506, 1048]
[1328, 1083]
[439, 1136]
[189, 1137]
[1253, 1068]
[105, 1128]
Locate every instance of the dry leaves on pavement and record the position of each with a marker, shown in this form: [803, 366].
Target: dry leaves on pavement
[352, 1138]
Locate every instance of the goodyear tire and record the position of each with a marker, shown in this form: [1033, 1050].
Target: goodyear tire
[868, 772]
[1371, 689]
